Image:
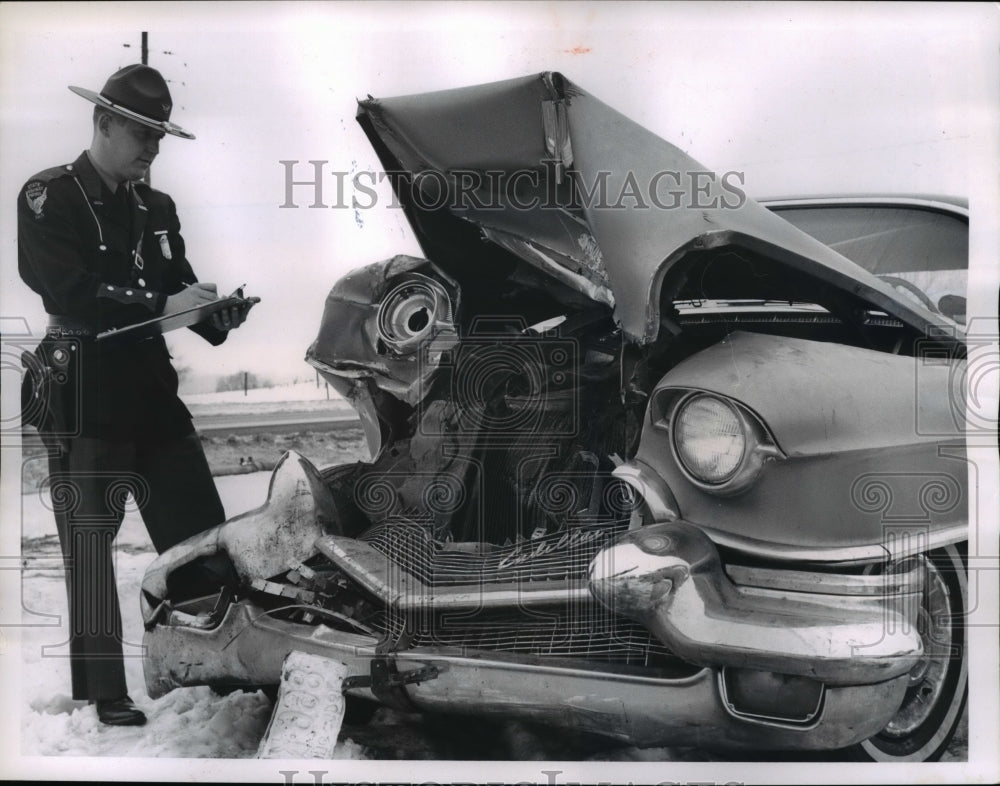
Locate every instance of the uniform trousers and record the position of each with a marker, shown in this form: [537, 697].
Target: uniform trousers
[91, 481]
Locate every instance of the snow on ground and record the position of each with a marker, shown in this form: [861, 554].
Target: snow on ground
[188, 722]
[301, 391]
[301, 397]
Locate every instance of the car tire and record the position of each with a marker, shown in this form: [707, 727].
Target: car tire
[359, 712]
[935, 699]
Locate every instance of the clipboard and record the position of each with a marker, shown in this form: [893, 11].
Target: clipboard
[159, 325]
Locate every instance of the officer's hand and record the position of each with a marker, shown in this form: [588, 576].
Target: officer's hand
[190, 297]
[230, 318]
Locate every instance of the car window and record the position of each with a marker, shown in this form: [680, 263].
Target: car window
[922, 253]
[887, 239]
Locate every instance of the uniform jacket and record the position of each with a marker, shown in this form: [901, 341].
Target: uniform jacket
[102, 260]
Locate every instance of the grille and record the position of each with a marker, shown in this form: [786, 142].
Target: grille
[586, 631]
[554, 557]
[574, 629]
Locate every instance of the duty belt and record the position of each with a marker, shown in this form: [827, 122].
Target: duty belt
[64, 326]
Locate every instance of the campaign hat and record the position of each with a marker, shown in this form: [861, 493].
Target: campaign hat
[140, 93]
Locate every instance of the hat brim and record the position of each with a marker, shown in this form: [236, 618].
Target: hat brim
[161, 125]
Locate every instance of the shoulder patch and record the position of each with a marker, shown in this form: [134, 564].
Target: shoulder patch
[36, 193]
[36, 190]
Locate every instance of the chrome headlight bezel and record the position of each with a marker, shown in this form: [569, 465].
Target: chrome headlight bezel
[413, 313]
[758, 445]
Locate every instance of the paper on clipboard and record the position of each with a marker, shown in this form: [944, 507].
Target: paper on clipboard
[155, 327]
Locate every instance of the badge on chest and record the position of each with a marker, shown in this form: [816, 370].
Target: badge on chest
[164, 244]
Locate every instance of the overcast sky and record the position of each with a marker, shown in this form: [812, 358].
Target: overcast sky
[802, 98]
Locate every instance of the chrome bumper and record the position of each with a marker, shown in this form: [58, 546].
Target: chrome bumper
[247, 648]
[787, 659]
[841, 630]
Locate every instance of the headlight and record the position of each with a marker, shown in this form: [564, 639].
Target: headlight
[719, 444]
[710, 438]
[413, 313]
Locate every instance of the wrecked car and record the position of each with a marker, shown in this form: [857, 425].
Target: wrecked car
[675, 474]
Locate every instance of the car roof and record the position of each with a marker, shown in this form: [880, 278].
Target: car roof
[946, 202]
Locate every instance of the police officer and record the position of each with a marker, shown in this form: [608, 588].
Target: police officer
[104, 250]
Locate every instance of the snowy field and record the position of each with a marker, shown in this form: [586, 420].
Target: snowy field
[301, 397]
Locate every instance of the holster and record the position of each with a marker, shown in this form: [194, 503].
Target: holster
[50, 388]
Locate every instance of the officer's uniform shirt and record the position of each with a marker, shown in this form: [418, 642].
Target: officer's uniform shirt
[101, 260]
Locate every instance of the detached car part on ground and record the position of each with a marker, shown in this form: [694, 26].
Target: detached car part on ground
[677, 476]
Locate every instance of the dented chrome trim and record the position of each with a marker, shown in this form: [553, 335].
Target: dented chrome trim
[396, 587]
[849, 555]
[867, 201]
[669, 578]
[877, 585]
[652, 488]
[249, 647]
[261, 542]
[806, 724]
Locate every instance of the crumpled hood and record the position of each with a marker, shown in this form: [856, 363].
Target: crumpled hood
[614, 250]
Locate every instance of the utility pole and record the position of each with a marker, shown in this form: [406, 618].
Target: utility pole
[145, 61]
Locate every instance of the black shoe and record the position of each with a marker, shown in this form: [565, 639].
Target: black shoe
[119, 712]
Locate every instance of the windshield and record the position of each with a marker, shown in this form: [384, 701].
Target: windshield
[924, 254]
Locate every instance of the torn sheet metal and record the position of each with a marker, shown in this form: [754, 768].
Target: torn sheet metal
[356, 339]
